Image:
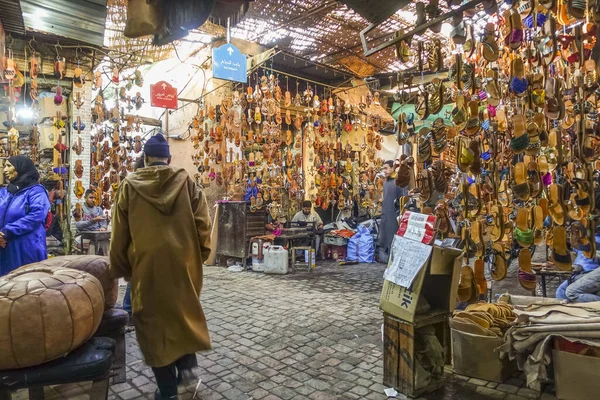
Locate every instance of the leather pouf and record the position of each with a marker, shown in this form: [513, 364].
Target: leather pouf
[94, 265]
[45, 313]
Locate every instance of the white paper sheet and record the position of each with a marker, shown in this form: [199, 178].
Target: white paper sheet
[407, 257]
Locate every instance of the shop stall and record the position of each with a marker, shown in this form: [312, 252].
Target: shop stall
[516, 161]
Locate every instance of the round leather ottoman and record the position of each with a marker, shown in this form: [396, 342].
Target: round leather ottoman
[95, 265]
[45, 313]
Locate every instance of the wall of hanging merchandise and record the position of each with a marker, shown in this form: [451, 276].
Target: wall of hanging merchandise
[116, 133]
[280, 140]
[36, 119]
[60, 142]
[525, 127]
[81, 147]
[122, 119]
[79, 143]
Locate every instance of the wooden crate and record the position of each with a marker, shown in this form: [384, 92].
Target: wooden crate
[399, 363]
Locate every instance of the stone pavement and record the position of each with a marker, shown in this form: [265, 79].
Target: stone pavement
[300, 336]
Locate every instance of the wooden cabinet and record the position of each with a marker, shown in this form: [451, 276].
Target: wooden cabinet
[237, 225]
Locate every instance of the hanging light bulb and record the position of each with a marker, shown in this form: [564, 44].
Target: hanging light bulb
[25, 114]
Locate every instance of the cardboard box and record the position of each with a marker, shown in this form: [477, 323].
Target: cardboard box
[576, 376]
[337, 252]
[474, 356]
[443, 259]
[438, 289]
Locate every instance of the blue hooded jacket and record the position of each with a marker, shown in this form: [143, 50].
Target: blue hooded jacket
[22, 221]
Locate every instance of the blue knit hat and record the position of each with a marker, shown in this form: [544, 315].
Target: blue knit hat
[157, 146]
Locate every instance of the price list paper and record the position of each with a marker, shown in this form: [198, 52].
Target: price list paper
[407, 257]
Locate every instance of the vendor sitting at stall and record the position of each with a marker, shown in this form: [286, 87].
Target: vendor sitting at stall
[93, 220]
[585, 286]
[273, 225]
[308, 216]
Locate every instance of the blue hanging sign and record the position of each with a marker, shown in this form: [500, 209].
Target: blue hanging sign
[229, 63]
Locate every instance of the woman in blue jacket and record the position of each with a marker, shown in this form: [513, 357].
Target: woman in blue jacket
[24, 206]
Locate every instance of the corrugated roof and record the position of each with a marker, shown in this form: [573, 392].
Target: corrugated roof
[328, 31]
[11, 16]
[81, 20]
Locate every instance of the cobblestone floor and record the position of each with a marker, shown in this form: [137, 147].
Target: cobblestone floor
[300, 336]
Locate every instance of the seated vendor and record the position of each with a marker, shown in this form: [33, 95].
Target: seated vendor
[309, 216]
[273, 224]
[93, 219]
[585, 287]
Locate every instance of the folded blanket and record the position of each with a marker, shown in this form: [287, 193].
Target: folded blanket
[529, 341]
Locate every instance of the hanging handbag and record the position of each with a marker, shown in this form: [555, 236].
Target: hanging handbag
[235, 10]
[143, 18]
[181, 16]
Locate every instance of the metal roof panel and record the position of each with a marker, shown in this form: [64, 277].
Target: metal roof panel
[81, 20]
[10, 16]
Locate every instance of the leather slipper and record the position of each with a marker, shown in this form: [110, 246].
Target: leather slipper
[560, 254]
[477, 238]
[499, 267]
[527, 277]
[522, 232]
[465, 287]
[521, 188]
[556, 207]
[479, 274]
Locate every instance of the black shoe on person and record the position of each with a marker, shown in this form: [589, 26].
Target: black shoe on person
[158, 396]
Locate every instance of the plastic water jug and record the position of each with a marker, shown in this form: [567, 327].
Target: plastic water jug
[258, 265]
[276, 260]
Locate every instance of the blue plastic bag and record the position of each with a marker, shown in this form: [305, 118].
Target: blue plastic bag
[352, 248]
[361, 247]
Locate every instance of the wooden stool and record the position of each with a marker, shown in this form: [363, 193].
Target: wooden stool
[306, 263]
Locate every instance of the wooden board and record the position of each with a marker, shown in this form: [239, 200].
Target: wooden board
[390, 352]
[406, 363]
[399, 354]
[214, 235]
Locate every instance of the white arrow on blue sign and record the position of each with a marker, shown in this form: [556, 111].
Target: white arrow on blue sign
[229, 63]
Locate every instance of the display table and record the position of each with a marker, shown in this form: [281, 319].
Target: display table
[552, 274]
[289, 237]
[95, 238]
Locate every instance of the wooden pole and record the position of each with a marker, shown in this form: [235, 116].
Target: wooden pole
[167, 125]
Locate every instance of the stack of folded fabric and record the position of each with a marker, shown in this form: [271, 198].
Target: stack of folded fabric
[484, 319]
[529, 341]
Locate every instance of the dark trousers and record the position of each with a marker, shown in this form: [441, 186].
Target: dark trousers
[127, 299]
[166, 377]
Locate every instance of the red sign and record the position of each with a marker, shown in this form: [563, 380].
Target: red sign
[419, 227]
[163, 95]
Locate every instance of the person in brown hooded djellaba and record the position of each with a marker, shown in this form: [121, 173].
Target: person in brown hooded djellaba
[160, 238]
